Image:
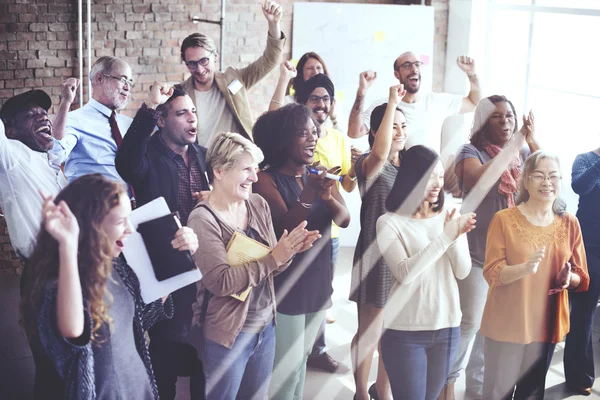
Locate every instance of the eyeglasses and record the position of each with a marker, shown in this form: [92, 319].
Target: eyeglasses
[317, 99]
[539, 178]
[409, 65]
[203, 62]
[123, 80]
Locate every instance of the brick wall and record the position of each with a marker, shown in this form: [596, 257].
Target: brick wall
[38, 46]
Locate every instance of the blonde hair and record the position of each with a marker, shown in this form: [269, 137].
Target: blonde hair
[225, 150]
[559, 206]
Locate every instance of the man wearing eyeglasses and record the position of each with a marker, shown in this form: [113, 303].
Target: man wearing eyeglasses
[425, 112]
[221, 98]
[94, 132]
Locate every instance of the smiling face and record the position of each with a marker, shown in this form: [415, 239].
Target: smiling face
[179, 127]
[116, 225]
[400, 132]
[302, 149]
[32, 127]
[501, 124]
[319, 102]
[203, 75]
[435, 184]
[409, 77]
[236, 182]
[108, 88]
[311, 68]
[543, 183]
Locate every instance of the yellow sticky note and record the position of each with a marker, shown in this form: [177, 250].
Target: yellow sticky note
[294, 62]
[339, 95]
[379, 36]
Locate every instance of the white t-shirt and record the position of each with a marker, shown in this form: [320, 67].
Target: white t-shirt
[425, 264]
[213, 114]
[424, 118]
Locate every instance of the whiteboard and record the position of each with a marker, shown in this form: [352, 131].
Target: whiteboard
[352, 38]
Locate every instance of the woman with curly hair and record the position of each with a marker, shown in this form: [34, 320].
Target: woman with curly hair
[288, 137]
[81, 304]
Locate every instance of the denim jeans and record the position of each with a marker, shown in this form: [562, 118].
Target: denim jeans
[411, 356]
[473, 293]
[242, 372]
[510, 365]
[319, 347]
[579, 353]
[295, 338]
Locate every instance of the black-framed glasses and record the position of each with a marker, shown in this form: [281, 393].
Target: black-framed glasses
[123, 80]
[203, 62]
[409, 65]
[316, 99]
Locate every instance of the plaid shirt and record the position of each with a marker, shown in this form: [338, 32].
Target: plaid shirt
[190, 180]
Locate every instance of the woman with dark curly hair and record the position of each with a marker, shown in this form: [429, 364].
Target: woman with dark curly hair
[81, 304]
[288, 137]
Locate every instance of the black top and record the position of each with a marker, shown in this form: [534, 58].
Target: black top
[305, 286]
[144, 162]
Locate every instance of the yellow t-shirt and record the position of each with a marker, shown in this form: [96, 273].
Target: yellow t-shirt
[333, 150]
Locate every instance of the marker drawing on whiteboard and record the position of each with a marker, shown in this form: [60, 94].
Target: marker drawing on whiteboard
[327, 175]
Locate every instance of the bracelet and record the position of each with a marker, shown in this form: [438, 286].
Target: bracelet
[276, 102]
[471, 76]
[305, 205]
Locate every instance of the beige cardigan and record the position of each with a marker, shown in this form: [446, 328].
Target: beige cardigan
[248, 76]
[225, 315]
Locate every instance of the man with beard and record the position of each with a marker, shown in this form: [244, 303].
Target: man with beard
[332, 151]
[425, 112]
[221, 98]
[170, 164]
[30, 160]
[94, 132]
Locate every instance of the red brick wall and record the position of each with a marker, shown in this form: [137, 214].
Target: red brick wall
[38, 44]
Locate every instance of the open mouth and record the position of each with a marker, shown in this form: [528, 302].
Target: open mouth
[309, 151]
[120, 244]
[45, 131]
[192, 131]
[414, 78]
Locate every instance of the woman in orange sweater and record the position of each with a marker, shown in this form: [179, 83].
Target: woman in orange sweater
[534, 254]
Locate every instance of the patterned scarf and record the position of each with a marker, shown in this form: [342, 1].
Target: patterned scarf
[510, 176]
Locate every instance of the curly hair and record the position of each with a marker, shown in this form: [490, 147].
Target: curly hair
[274, 132]
[477, 138]
[90, 198]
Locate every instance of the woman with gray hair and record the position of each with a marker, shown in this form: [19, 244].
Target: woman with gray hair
[534, 254]
[238, 331]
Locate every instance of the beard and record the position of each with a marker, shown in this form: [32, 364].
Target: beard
[117, 101]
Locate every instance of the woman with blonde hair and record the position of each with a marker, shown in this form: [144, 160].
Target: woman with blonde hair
[238, 332]
[534, 255]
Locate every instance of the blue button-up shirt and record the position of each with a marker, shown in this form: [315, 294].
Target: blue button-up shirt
[88, 141]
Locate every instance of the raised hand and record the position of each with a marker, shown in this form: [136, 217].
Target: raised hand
[290, 243]
[272, 11]
[287, 71]
[563, 280]
[366, 80]
[59, 221]
[528, 128]
[531, 265]
[456, 225]
[185, 239]
[68, 90]
[355, 154]
[467, 64]
[158, 94]
[397, 92]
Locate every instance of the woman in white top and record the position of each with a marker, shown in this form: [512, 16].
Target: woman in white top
[424, 246]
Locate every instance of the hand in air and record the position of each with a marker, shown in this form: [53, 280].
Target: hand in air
[68, 90]
[366, 80]
[159, 94]
[59, 221]
[287, 71]
[272, 11]
[467, 64]
[397, 92]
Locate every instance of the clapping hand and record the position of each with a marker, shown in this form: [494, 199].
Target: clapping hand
[563, 280]
[59, 221]
[456, 225]
[533, 263]
[296, 241]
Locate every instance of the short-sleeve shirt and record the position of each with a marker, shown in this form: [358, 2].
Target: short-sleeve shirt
[333, 150]
[491, 204]
[424, 118]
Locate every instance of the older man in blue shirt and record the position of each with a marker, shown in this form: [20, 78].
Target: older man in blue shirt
[94, 132]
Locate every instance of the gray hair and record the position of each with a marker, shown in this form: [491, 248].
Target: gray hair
[559, 206]
[225, 150]
[103, 65]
